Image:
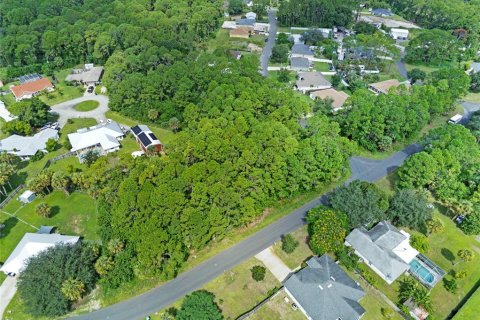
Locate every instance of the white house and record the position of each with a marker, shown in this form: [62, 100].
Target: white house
[31, 245]
[88, 76]
[103, 139]
[26, 147]
[399, 34]
[251, 15]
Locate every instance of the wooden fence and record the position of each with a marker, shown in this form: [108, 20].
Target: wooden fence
[11, 195]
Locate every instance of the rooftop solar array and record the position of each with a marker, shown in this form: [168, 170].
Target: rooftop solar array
[29, 78]
[144, 139]
[136, 130]
[152, 136]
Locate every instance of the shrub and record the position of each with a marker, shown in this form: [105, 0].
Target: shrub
[471, 224]
[450, 285]
[289, 244]
[347, 258]
[43, 210]
[459, 274]
[420, 242]
[200, 305]
[258, 273]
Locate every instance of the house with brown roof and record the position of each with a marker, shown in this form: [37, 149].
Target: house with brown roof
[338, 97]
[242, 32]
[383, 87]
[30, 89]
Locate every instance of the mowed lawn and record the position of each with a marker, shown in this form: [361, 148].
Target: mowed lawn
[74, 214]
[88, 105]
[471, 310]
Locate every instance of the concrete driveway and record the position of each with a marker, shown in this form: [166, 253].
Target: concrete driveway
[7, 291]
[468, 109]
[274, 264]
[66, 110]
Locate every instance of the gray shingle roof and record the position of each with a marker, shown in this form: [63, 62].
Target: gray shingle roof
[300, 48]
[376, 246]
[311, 79]
[246, 22]
[299, 63]
[325, 291]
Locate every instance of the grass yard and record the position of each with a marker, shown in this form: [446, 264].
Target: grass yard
[274, 75]
[62, 92]
[471, 309]
[321, 66]
[2, 134]
[88, 105]
[390, 71]
[472, 97]
[427, 69]
[8, 99]
[277, 309]
[164, 135]
[74, 214]
[301, 253]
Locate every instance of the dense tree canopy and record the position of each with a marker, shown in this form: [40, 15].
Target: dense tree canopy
[200, 305]
[316, 13]
[364, 203]
[55, 277]
[409, 208]
[327, 230]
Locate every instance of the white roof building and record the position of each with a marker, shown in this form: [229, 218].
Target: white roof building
[399, 34]
[251, 15]
[31, 245]
[27, 197]
[229, 25]
[103, 138]
[25, 147]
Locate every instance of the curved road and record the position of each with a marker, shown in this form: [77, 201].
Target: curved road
[272, 34]
[193, 279]
[66, 110]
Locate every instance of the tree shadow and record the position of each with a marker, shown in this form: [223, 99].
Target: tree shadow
[9, 224]
[54, 210]
[447, 254]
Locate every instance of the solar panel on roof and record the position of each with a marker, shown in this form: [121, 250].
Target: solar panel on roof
[152, 136]
[144, 139]
[136, 130]
[29, 78]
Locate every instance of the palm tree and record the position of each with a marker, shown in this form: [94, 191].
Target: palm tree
[60, 181]
[174, 124]
[43, 210]
[434, 226]
[422, 298]
[465, 255]
[73, 289]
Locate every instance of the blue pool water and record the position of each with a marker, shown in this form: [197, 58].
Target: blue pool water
[417, 268]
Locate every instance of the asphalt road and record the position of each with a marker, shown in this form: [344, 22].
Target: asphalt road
[66, 110]
[267, 50]
[163, 296]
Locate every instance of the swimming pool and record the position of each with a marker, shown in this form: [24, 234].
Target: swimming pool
[417, 269]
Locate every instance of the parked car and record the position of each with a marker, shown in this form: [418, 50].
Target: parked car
[90, 89]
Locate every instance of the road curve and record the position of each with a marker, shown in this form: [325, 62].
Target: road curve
[272, 35]
[193, 279]
[66, 110]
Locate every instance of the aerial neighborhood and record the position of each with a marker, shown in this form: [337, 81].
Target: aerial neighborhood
[241, 159]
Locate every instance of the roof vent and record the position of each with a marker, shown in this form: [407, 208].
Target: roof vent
[321, 288]
[329, 285]
[333, 279]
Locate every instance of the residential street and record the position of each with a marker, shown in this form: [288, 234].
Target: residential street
[267, 50]
[163, 296]
[66, 110]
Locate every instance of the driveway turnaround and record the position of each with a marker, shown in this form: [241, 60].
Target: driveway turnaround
[272, 34]
[66, 110]
[193, 279]
[7, 291]
[274, 264]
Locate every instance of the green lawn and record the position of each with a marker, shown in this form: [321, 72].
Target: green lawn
[278, 309]
[88, 105]
[321, 66]
[390, 71]
[472, 97]
[62, 92]
[164, 135]
[301, 253]
[425, 68]
[8, 99]
[471, 309]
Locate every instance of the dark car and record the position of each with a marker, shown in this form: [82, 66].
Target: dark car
[90, 89]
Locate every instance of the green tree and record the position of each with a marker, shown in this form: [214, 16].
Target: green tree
[104, 264]
[47, 272]
[258, 273]
[450, 285]
[235, 6]
[327, 230]
[90, 157]
[61, 181]
[434, 226]
[471, 224]
[416, 74]
[115, 246]
[283, 75]
[51, 145]
[465, 255]
[280, 53]
[44, 210]
[73, 289]
[289, 244]
[199, 305]
[363, 203]
[409, 208]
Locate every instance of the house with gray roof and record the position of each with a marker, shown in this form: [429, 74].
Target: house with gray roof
[475, 67]
[382, 12]
[26, 147]
[322, 290]
[299, 64]
[384, 248]
[246, 22]
[302, 51]
[88, 76]
[311, 81]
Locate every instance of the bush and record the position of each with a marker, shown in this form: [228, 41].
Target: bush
[258, 273]
[459, 274]
[347, 258]
[471, 224]
[387, 313]
[366, 274]
[420, 242]
[200, 305]
[450, 285]
[289, 244]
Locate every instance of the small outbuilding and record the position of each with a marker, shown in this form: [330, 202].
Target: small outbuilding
[27, 197]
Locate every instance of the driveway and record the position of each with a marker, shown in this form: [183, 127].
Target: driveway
[66, 110]
[7, 291]
[272, 35]
[274, 264]
[468, 109]
[5, 114]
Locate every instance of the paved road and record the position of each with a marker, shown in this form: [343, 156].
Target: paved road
[267, 50]
[165, 295]
[66, 110]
